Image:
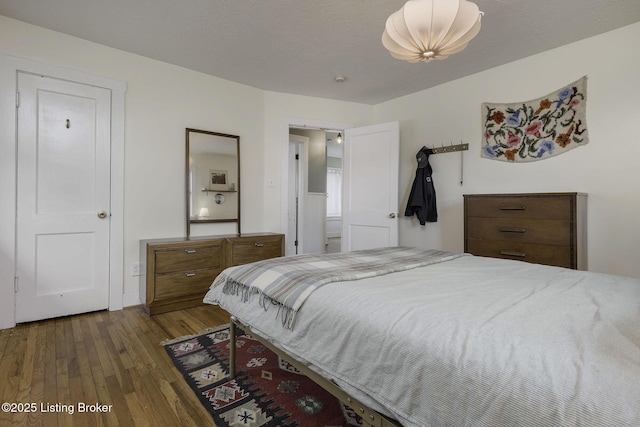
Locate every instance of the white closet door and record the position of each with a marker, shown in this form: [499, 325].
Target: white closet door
[63, 207]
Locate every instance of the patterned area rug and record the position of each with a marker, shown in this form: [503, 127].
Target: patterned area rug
[267, 391]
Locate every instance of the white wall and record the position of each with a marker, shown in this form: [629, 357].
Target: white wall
[606, 168]
[280, 110]
[162, 100]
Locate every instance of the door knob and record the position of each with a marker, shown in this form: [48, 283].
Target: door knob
[102, 214]
[392, 215]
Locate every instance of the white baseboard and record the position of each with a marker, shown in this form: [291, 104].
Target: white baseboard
[131, 298]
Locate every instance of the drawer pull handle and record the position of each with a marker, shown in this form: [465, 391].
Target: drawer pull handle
[190, 274]
[512, 230]
[259, 245]
[513, 208]
[513, 253]
[190, 251]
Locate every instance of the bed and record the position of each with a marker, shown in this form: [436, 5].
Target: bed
[459, 341]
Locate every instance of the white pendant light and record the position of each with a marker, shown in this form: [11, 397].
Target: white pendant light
[423, 30]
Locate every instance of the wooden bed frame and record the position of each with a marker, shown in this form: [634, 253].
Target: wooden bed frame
[370, 418]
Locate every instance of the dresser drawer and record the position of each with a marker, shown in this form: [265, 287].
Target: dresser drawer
[173, 285]
[543, 228]
[526, 230]
[560, 256]
[244, 251]
[183, 258]
[555, 207]
[179, 271]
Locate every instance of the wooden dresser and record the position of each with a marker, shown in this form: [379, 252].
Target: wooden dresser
[542, 228]
[179, 271]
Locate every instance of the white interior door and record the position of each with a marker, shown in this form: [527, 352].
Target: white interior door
[370, 187]
[63, 206]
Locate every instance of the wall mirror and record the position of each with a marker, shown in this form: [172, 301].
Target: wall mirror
[212, 178]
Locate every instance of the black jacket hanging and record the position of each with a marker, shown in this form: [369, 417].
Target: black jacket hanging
[422, 200]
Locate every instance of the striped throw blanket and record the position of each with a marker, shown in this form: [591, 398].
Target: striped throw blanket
[288, 281]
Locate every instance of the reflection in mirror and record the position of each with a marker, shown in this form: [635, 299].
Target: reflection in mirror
[212, 178]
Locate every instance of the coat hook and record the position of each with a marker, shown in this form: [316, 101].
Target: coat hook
[449, 148]
[68, 123]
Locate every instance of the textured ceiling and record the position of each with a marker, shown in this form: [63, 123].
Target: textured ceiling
[301, 46]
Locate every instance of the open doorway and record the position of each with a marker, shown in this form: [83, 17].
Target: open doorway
[370, 161]
[314, 191]
[312, 200]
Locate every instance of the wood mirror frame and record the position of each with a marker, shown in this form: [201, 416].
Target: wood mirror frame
[212, 178]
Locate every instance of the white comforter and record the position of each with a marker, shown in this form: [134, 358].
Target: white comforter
[473, 342]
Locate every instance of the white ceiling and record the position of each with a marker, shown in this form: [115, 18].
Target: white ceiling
[301, 46]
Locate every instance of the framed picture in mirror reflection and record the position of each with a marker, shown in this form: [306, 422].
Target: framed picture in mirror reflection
[218, 179]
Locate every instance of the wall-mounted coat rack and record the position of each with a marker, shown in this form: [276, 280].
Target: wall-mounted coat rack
[449, 149]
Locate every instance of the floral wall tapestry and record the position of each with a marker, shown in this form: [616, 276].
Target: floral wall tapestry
[536, 129]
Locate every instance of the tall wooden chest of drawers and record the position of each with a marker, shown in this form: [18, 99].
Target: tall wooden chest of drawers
[179, 272]
[542, 228]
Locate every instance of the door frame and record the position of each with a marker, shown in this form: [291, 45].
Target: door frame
[302, 143]
[285, 124]
[9, 68]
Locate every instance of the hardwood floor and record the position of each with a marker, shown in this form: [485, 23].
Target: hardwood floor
[113, 359]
